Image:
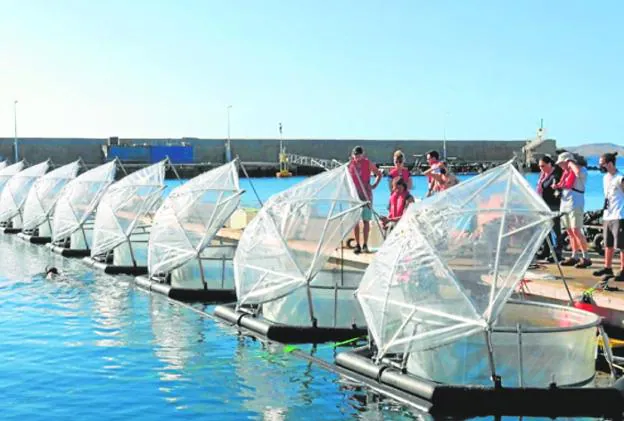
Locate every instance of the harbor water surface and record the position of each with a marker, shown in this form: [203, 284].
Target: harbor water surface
[92, 346]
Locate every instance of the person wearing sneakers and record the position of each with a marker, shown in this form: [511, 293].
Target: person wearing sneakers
[613, 216]
[550, 175]
[361, 168]
[572, 188]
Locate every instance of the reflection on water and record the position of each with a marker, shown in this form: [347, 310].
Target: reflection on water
[90, 346]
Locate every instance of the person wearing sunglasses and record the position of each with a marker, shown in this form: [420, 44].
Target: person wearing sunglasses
[550, 175]
[399, 172]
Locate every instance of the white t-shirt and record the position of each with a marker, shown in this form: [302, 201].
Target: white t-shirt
[614, 193]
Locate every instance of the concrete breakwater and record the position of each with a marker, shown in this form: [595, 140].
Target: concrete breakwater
[262, 154]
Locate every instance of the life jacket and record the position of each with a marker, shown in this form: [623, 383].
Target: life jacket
[398, 203]
[403, 173]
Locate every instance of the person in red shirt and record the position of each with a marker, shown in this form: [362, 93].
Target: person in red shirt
[572, 190]
[399, 171]
[400, 199]
[361, 169]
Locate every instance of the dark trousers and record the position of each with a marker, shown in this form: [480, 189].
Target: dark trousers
[558, 240]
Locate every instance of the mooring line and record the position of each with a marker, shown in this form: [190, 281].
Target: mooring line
[401, 398]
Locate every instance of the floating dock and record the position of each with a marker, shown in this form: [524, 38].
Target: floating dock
[541, 284]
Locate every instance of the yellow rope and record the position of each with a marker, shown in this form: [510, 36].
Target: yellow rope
[615, 343]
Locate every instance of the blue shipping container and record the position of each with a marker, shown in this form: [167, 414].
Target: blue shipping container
[129, 153]
[177, 154]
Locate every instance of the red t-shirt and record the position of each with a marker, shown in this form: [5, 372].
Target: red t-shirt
[361, 175]
[568, 179]
[405, 174]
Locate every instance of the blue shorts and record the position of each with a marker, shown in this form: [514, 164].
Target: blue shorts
[367, 213]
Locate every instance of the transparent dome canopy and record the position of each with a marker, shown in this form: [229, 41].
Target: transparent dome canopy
[124, 206]
[16, 190]
[45, 192]
[9, 171]
[190, 217]
[450, 265]
[79, 198]
[3, 165]
[288, 242]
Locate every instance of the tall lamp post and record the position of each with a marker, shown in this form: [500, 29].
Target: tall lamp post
[444, 141]
[15, 130]
[228, 145]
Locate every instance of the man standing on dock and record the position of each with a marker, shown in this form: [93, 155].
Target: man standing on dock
[433, 159]
[613, 216]
[361, 168]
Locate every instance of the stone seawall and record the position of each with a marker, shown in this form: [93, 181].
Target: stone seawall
[62, 150]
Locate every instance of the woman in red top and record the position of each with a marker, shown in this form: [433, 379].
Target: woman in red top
[399, 172]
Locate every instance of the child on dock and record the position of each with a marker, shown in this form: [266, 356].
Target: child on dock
[400, 199]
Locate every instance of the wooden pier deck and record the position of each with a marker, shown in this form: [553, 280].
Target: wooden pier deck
[610, 302]
[542, 284]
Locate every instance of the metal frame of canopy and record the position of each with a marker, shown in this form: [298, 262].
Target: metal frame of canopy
[7, 224]
[137, 227]
[19, 164]
[307, 278]
[11, 170]
[28, 233]
[63, 244]
[486, 323]
[207, 238]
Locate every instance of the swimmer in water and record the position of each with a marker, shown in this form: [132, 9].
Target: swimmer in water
[51, 272]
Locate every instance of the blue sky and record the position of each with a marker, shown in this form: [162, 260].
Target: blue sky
[329, 69]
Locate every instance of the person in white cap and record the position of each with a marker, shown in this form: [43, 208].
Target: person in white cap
[613, 217]
[572, 187]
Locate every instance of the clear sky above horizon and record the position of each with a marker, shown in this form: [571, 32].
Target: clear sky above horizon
[476, 69]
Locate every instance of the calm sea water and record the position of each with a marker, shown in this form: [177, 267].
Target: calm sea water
[90, 346]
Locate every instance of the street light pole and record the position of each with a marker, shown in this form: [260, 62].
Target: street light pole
[15, 130]
[444, 142]
[228, 147]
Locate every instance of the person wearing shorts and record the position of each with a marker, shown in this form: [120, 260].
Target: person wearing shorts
[572, 187]
[573, 219]
[361, 168]
[613, 217]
